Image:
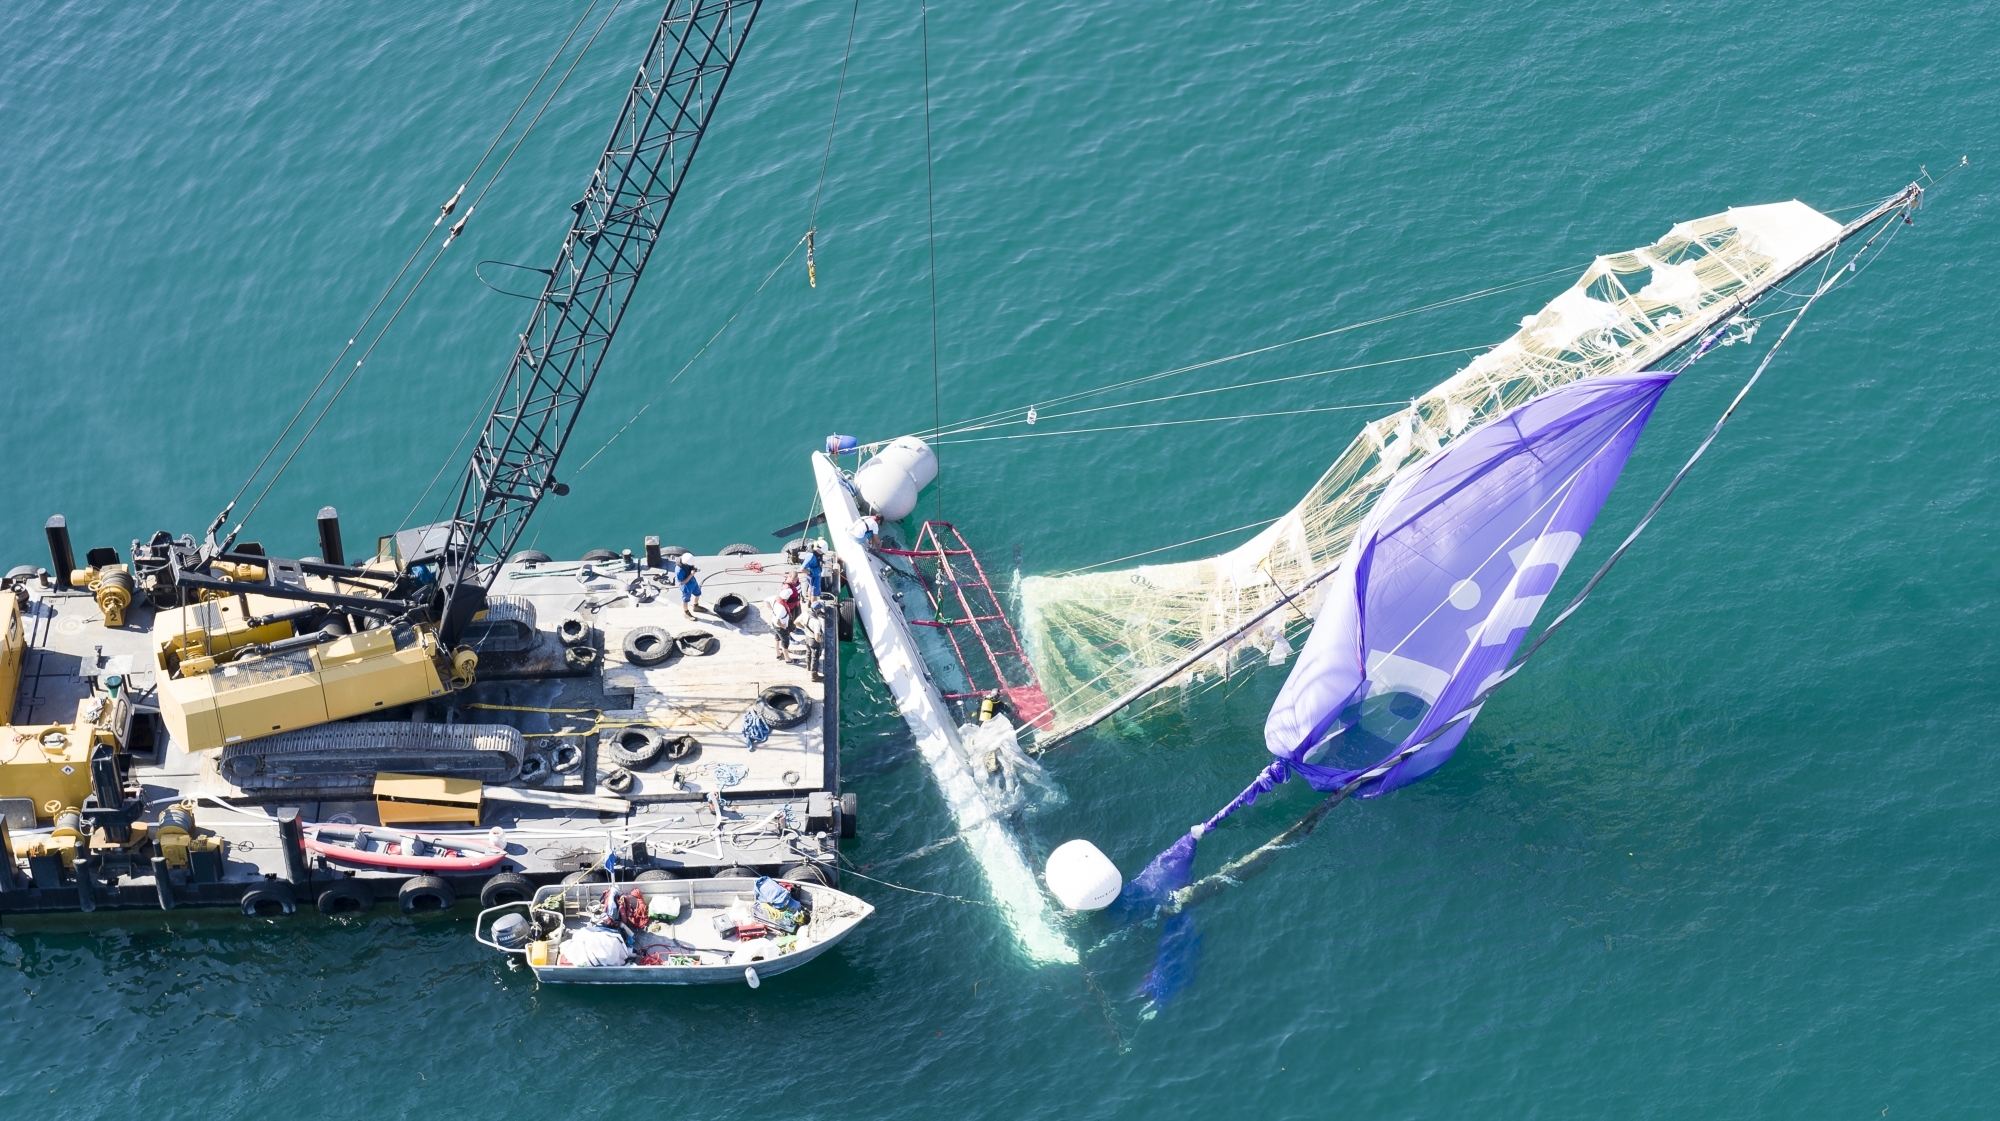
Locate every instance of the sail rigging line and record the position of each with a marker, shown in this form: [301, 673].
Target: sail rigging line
[450, 237]
[1164, 548]
[697, 354]
[1170, 423]
[930, 242]
[1242, 868]
[1509, 286]
[444, 212]
[1223, 389]
[812, 223]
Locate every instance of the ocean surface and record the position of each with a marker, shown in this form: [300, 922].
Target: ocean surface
[1730, 848]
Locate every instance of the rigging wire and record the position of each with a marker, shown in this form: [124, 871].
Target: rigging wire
[456, 229]
[1226, 388]
[812, 223]
[1510, 286]
[1171, 423]
[930, 240]
[1164, 548]
[444, 212]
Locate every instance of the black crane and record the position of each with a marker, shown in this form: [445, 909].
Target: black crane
[617, 223]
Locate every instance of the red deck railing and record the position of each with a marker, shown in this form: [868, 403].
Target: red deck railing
[971, 618]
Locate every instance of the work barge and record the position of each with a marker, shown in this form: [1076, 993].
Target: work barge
[598, 734]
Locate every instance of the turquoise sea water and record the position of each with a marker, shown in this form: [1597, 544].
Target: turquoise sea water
[1728, 849]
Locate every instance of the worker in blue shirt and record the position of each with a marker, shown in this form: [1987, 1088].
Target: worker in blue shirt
[811, 567]
[690, 587]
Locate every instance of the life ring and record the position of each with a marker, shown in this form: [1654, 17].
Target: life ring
[425, 893]
[529, 556]
[597, 556]
[698, 642]
[784, 706]
[568, 759]
[507, 887]
[272, 897]
[636, 748]
[581, 657]
[732, 608]
[740, 550]
[649, 646]
[572, 630]
[346, 897]
[620, 780]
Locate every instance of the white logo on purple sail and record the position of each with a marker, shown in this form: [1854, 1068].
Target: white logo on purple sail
[1538, 564]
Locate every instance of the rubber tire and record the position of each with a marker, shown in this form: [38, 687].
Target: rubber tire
[567, 760]
[731, 608]
[651, 743]
[737, 870]
[273, 892]
[808, 873]
[740, 550]
[697, 643]
[572, 630]
[598, 556]
[529, 556]
[774, 714]
[582, 657]
[649, 646]
[844, 620]
[850, 810]
[620, 781]
[535, 770]
[654, 875]
[346, 897]
[680, 747]
[507, 887]
[423, 894]
[595, 874]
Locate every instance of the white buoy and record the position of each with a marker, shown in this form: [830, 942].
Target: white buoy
[1082, 877]
[750, 976]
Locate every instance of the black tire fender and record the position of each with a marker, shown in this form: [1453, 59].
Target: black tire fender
[346, 897]
[420, 894]
[598, 556]
[595, 874]
[850, 811]
[620, 780]
[653, 875]
[581, 657]
[649, 646]
[568, 759]
[698, 643]
[732, 608]
[529, 556]
[635, 748]
[736, 870]
[507, 887]
[844, 620]
[572, 630]
[740, 550]
[784, 706]
[535, 770]
[808, 874]
[272, 897]
[680, 747]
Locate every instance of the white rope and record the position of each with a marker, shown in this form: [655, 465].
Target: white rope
[1169, 423]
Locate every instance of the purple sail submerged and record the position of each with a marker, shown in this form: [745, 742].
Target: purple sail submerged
[1443, 579]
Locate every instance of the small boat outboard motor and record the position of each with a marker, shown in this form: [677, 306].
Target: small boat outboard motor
[513, 931]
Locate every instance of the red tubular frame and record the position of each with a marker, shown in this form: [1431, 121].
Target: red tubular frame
[998, 648]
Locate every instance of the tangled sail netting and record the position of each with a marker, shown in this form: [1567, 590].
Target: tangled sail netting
[1095, 636]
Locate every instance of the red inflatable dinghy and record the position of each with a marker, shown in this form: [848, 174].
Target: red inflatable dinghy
[376, 846]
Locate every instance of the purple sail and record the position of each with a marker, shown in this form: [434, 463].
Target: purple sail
[1443, 579]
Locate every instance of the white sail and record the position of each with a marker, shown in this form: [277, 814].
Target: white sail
[1095, 636]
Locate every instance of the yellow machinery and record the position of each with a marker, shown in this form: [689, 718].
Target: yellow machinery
[49, 764]
[13, 651]
[221, 682]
